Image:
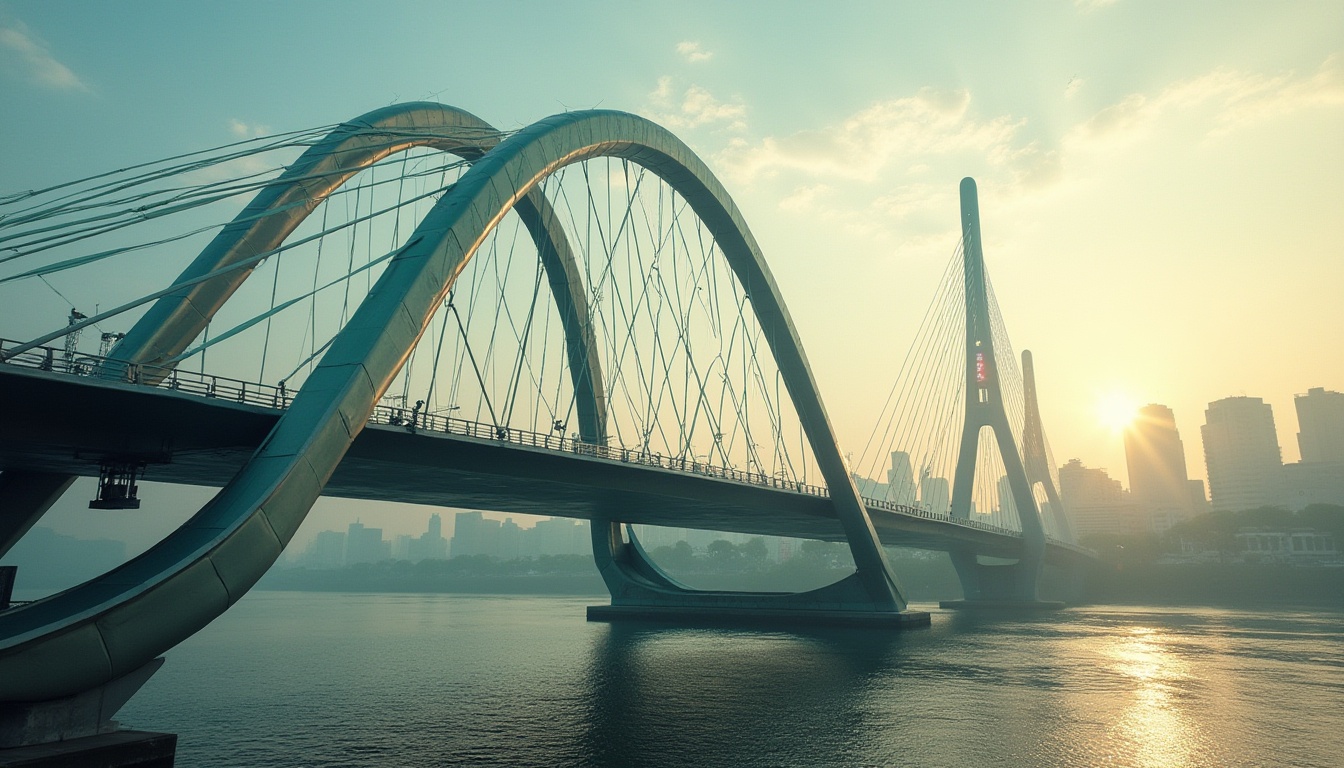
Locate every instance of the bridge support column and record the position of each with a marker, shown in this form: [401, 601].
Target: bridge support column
[641, 590]
[79, 730]
[1002, 586]
[24, 498]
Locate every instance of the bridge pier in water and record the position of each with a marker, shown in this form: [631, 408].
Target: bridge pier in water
[640, 590]
[78, 730]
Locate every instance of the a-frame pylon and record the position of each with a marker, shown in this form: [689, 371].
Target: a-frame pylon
[1034, 454]
[981, 583]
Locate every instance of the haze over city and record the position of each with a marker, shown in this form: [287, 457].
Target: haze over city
[1155, 189]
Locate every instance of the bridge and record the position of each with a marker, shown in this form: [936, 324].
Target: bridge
[200, 430]
[585, 324]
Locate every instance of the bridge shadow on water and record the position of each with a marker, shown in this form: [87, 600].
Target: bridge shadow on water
[834, 696]
[731, 696]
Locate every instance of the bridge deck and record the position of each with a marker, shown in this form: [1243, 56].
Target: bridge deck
[57, 422]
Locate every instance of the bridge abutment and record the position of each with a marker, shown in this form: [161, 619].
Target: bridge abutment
[79, 730]
[640, 590]
[998, 586]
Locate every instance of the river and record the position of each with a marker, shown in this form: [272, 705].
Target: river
[327, 679]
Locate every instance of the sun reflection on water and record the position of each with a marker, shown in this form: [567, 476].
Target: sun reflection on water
[1154, 729]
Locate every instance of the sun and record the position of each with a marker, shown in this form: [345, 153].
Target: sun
[1116, 410]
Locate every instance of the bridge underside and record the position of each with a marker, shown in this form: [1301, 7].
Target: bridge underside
[70, 425]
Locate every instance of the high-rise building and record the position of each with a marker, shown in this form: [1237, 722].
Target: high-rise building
[327, 550]
[1155, 457]
[365, 545]
[1320, 424]
[935, 495]
[1199, 500]
[1313, 482]
[429, 545]
[1096, 502]
[1241, 453]
[474, 534]
[901, 479]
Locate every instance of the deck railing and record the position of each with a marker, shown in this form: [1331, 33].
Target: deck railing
[201, 384]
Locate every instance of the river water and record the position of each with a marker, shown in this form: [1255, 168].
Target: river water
[322, 679]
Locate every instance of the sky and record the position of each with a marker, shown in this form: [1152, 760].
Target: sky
[1159, 182]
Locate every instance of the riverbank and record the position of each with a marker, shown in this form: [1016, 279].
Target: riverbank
[1238, 585]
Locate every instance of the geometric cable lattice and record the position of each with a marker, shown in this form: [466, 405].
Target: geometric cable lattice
[118, 622]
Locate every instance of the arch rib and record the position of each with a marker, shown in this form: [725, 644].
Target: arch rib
[247, 543]
[118, 622]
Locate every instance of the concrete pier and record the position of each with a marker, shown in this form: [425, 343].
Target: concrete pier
[706, 615]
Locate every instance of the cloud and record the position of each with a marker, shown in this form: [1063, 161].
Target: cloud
[694, 107]
[248, 165]
[24, 52]
[887, 172]
[245, 131]
[1224, 100]
[805, 198]
[898, 133]
[693, 52]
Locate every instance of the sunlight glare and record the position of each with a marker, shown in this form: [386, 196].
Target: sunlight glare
[1116, 410]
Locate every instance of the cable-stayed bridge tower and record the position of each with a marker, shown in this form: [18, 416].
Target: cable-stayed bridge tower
[1036, 454]
[962, 431]
[985, 410]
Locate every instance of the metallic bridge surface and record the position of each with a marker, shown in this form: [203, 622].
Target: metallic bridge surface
[200, 430]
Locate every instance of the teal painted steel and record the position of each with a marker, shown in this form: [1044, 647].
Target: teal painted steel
[116, 623]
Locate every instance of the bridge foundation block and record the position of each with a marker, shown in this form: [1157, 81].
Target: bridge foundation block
[79, 730]
[642, 591]
[998, 587]
[749, 615]
[119, 749]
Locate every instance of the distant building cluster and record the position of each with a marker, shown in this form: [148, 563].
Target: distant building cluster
[1246, 469]
[476, 534]
[362, 544]
[1242, 458]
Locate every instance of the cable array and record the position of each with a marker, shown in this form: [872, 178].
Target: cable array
[912, 451]
[686, 367]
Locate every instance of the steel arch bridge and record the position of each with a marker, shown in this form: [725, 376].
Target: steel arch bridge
[116, 624]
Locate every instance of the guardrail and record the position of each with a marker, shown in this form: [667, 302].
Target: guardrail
[174, 379]
[279, 397]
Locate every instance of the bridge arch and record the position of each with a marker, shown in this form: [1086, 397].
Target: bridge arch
[116, 623]
[173, 322]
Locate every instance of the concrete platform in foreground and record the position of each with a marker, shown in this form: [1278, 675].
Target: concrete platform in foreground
[122, 749]
[676, 614]
[1002, 605]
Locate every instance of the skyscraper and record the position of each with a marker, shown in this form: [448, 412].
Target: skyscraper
[364, 545]
[935, 494]
[1319, 477]
[1096, 502]
[1320, 424]
[901, 479]
[1155, 457]
[1241, 453]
